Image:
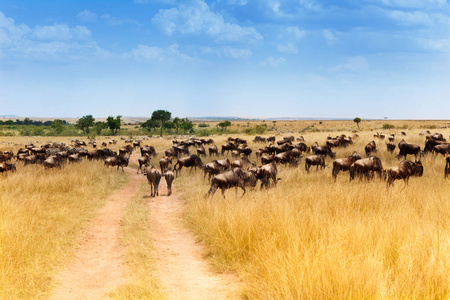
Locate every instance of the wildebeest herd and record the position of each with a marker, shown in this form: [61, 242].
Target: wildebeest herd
[241, 172]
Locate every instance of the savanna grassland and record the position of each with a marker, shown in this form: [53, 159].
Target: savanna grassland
[306, 238]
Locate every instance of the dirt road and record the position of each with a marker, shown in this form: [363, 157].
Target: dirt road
[98, 264]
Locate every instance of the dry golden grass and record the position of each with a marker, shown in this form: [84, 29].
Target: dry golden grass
[311, 238]
[40, 213]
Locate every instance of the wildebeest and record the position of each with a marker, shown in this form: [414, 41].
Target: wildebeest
[164, 162]
[366, 167]
[224, 163]
[447, 166]
[201, 151]
[212, 168]
[168, 176]
[153, 177]
[52, 162]
[188, 162]
[229, 179]
[390, 147]
[315, 160]
[143, 163]
[213, 150]
[228, 147]
[370, 148]
[240, 163]
[73, 158]
[343, 164]
[118, 161]
[406, 149]
[150, 150]
[267, 159]
[34, 159]
[442, 149]
[404, 170]
[266, 173]
[324, 150]
[7, 166]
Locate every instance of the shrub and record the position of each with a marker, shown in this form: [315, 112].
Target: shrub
[388, 126]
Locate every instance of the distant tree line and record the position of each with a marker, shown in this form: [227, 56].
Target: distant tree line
[28, 121]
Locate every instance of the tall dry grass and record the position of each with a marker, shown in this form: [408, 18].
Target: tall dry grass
[40, 213]
[311, 238]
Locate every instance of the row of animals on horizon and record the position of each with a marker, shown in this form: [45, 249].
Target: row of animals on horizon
[242, 173]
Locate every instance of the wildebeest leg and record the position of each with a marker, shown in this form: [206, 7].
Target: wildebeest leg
[223, 192]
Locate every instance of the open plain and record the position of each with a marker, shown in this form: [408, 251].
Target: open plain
[308, 237]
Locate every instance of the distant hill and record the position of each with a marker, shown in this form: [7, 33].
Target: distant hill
[8, 116]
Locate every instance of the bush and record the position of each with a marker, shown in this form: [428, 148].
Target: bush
[203, 125]
[388, 126]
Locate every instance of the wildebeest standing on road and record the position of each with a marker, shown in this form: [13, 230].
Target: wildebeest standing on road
[153, 177]
[169, 177]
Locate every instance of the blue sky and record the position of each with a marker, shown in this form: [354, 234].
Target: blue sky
[254, 59]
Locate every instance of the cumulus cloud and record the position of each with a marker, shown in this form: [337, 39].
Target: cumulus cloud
[87, 16]
[352, 64]
[329, 36]
[441, 45]
[60, 32]
[117, 21]
[290, 37]
[196, 18]
[274, 62]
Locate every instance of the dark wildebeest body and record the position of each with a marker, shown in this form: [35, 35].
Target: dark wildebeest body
[34, 159]
[201, 151]
[370, 148]
[73, 158]
[212, 168]
[118, 161]
[267, 159]
[267, 172]
[188, 162]
[224, 164]
[213, 150]
[229, 179]
[153, 177]
[343, 164]
[404, 170]
[324, 150]
[390, 147]
[442, 149]
[150, 150]
[7, 166]
[169, 177]
[228, 147]
[240, 163]
[143, 162]
[366, 167]
[447, 166]
[315, 160]
[52, 162]
[406, 149]
[164, 162]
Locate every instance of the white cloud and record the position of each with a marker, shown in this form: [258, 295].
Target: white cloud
[290, 48]
[227, 52]
[60, 32]
[197, 19]
[436, 45]
[290, 38]
[411, 3]
[274, 62]
[87, 16]
[329, 36]
[115, 21]
[155, 54]
[352, 64]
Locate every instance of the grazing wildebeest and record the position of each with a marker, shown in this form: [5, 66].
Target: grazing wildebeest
[213, 150]
[429, 145]
[370, 148]
[168, 176]
[165, 162]
[201, 151]
[245, 150]
[228, 147]
[188, 162]
[73, 158]
[404, 170]
[229, 179]
[366, 167]
[240, 163]
[302, 147]
[324, 150]
[212, 168]
[235, 153]
[343, 164]
[271, 139]
[267, 159]
[118, 161]
[315, 160]
[447, 166]
[52, 162]
[390, 147]
[34, 159]
[224, 164]
[441, 149]
[7, 166]
[265, 173]
[150, 150]
[406, 149]
[153, 177]
[143, 162]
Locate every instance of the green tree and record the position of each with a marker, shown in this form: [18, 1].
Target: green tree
[149, 125]
[357, 120]
[99, 126]
[84, 123]
[223, 125]
[58, 125]
[161, 116]
[114, 123]
[176, 121]
[186, 125]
